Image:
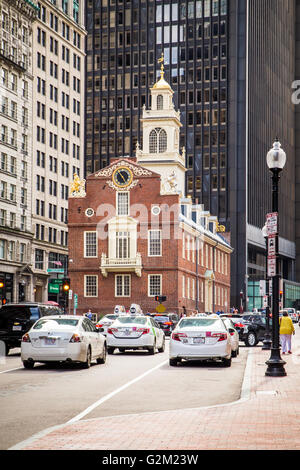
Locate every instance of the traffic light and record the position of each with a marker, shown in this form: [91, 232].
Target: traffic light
[66, 285]
[160, 298]
[2, 299]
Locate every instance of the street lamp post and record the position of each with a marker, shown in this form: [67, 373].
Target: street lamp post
[267, 339]
[276, 160]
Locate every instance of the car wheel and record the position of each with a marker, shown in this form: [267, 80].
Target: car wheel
[251, 339]
[173, 362]
[234, 353]
[162, 349]
[152, 349]
[87, 363]
[28, 364]
[102, 360]
[110, 350]
[226, 362]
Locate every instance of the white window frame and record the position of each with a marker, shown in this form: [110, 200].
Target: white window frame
[118, 205]
[150, 276]
[122, 276]
[155, 245]
[85, 244]
[86, 276]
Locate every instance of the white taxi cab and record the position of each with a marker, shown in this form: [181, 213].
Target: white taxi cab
[135, 332]
[200, 338]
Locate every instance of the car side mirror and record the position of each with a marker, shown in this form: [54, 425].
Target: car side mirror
[100, 330]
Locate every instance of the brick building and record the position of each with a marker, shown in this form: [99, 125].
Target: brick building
[134, 235]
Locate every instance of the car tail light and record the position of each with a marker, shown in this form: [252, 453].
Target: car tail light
[144, 331]
[178, 336]
[26, 338]
[239, 325]
[111, 331]
[99, 325]
[75, 338]
[167, 323]
[220, 336]
[232, 333]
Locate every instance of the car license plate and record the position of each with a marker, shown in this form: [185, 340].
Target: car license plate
[50, 341]
[198, 340]
[17, 328]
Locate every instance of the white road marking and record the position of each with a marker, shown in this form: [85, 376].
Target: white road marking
[112, 394]
[10, 370]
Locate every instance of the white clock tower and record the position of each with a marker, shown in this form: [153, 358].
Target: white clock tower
[160, 152]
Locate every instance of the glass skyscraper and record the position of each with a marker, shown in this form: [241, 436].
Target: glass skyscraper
[231, 64]
[125, 41]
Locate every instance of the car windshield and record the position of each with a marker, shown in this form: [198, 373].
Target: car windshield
[59, 321]
[161, 319]
[110, 317]
[187, 322]
[132, 320]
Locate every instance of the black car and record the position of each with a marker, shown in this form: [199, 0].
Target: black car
[166, 321]
[237, 320]
[17, 319]
[254, 329]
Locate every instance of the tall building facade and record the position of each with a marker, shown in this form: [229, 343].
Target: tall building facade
[16, 83]
[58, 129]
[125, 41]
[231, 64]
[261, 73]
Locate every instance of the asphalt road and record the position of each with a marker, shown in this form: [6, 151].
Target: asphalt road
[132, 382]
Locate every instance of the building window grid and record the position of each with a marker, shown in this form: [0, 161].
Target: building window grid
[154, 285]
[122, 285]
[90, 285]
[154, 243]
[90, 244]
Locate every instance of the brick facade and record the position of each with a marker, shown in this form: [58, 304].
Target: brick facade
[179, 263]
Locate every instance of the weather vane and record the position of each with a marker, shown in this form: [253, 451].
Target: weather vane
[161, 61]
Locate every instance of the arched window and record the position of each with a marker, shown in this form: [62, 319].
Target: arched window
[160, 102]
[158, 140]
[162, 141]
[153, 141]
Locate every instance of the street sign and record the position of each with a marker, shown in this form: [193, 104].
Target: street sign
[272, 245]
[272, 267]
[70, 294]
[272, 223]
[160, 308]
[75, 300]
[262, 288]
[265, 302]
[55, 270]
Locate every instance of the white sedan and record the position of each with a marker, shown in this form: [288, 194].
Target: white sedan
[234, 336]
[106, 321]
[63, 338]
[135, 332]
[199, 338]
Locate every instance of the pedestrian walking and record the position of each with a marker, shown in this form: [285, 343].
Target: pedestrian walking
[286, 330]
[89, 314]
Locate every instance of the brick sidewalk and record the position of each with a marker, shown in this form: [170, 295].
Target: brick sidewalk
[268, 418]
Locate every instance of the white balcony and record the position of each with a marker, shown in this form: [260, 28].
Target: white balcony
[120, 265]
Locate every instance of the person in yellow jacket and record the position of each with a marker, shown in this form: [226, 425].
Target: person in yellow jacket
[286, 330]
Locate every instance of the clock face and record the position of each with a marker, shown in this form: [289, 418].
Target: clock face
[122, 177]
